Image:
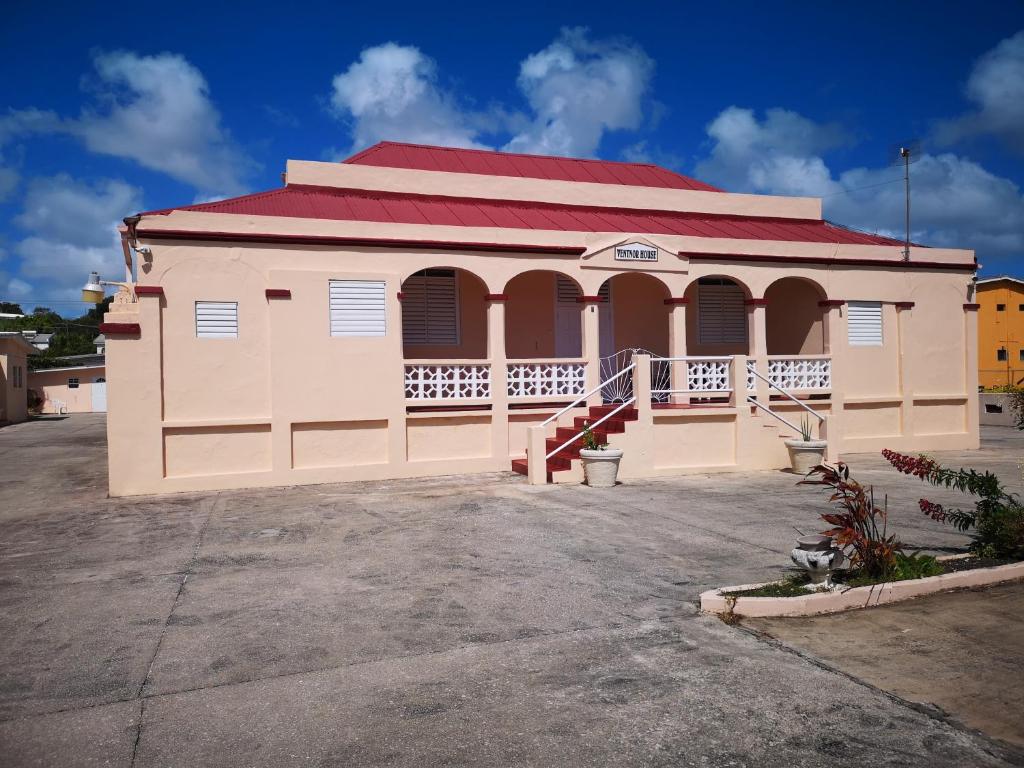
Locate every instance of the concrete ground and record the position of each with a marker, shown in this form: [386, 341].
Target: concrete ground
[456, 621]
[962, 652]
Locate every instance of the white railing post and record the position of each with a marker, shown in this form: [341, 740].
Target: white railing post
[738, 397]
[642, 386]
[536, 455]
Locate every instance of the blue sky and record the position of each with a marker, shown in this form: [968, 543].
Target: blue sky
[109, 110]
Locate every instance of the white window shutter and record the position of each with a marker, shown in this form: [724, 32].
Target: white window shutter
[722, 314]
[217, 319]
[864, 323]
[430, 308]
[358, 308]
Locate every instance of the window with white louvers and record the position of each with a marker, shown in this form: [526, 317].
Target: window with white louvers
[430, 308]
[864, 323]
[358, 308]
[216, 319]
[722, 315]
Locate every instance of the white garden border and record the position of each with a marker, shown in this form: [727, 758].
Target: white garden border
[813, 603]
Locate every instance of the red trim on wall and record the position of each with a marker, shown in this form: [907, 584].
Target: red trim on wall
[971, 267]
[588, 299]
[149, 290]
[120, 329]
[676, 300]
[400, 295]
[496, 296]
[972, 307]
[371, 242]
[278, 293]
[904, 305]
[831, 302]
[756, 302]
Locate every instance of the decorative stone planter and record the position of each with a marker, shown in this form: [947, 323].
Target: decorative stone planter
[804, 455]
[816, 555]
[601, 468]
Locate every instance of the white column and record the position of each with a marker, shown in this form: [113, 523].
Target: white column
[758, 329]
[499, 376]
[837, 348]
[592, 345]
[677, 347]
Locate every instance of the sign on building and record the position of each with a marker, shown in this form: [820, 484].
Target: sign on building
[635, 252]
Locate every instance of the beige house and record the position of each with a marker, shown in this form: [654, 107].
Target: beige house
[419, 311]
[14, 352]
[81, 388]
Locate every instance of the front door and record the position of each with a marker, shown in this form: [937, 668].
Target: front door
[99, 395]
[568, 327]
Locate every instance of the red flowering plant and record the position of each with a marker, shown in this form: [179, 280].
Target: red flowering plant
[997, 519]
[859, 524]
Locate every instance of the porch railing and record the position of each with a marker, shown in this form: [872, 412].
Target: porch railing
[794, 373]
[447, 380]
[690, 376]
[529, 379]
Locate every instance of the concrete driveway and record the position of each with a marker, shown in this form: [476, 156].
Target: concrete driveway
[460, 621]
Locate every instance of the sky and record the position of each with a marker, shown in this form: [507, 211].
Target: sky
[114, 108]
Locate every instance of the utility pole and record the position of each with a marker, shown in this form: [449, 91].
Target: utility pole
[905, 154]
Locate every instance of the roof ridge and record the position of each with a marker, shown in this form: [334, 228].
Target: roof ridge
[477, 150]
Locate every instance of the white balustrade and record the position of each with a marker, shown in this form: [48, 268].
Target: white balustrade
[800, 373]
[702, 375]
[546, 379]
[708, 375]
[447, 381]
[751, 378]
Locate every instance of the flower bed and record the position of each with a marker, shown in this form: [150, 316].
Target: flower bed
[732, 601]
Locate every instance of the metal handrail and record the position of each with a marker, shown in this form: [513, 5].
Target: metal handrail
[753, 401]
[582, 398]
[597, 423]
[771, 383]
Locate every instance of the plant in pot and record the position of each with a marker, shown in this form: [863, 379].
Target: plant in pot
[600, 463]
[805, 453]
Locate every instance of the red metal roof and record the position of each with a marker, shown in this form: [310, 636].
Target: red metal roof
[308, 202]
[389, 154]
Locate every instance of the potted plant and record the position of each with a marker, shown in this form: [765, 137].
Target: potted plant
[805, 453]
[600, 463]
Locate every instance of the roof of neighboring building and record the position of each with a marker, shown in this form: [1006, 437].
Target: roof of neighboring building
[311, 202]
[1000, 279]
[101, 339]
[391, 154]
[65, 369]
[18, 339]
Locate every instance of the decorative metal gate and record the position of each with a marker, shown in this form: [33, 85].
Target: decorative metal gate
[621, 390]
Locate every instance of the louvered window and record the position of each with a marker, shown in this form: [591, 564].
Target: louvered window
[358, 308]
[722, 315]
[567, 290]
[217, 319]
[864, 323]
[430, 308]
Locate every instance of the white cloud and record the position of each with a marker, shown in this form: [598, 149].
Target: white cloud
[14, 125]
[72, 230]
[154, 110]
[392, 93]
[996, 86]
[780, 154]
[955, 202]
[578, 89]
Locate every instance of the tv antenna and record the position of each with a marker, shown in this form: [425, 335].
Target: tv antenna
[905, 154]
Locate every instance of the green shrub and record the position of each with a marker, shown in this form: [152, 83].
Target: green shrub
[997, 520]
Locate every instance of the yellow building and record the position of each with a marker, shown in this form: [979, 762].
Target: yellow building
[1000, 331]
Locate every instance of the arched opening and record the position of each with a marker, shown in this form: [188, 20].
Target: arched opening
[444, 315]
[543, 318]
[634, 314]
[795, 322]
[717, 317]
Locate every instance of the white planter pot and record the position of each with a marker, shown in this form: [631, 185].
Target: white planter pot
[601, 468]
[805, 454]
